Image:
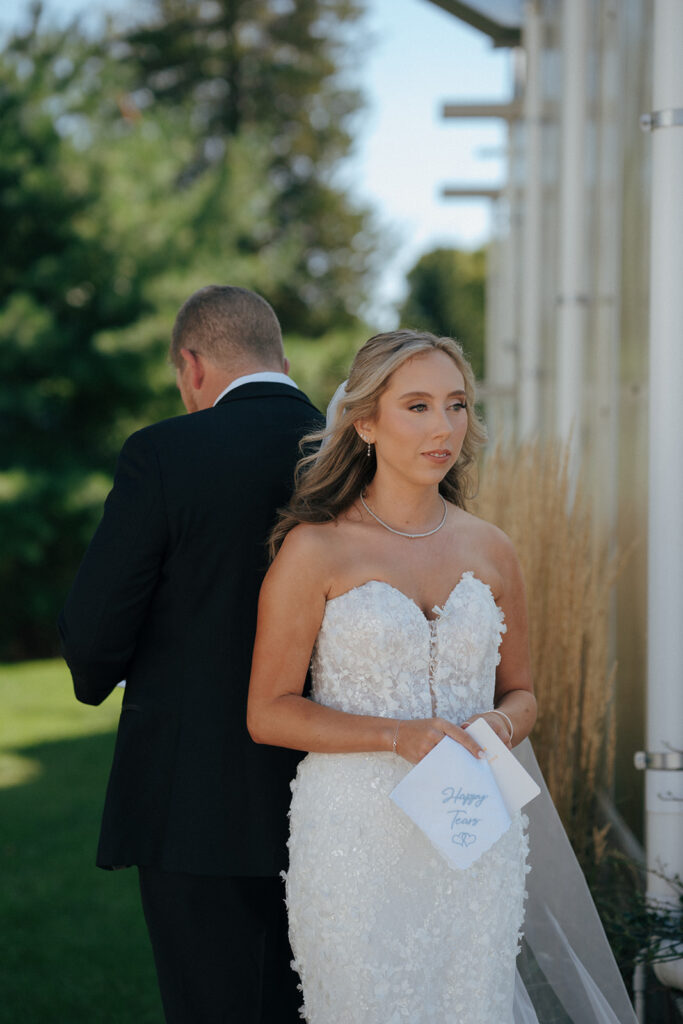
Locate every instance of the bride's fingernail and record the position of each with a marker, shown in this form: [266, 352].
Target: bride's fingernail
[481, 753]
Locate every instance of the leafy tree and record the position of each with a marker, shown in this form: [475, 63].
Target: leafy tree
[446, 295]
[66, 290]
[266, 74]
[120, 193]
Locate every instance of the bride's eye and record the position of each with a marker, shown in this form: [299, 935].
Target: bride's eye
[459, 405]
[419, 406]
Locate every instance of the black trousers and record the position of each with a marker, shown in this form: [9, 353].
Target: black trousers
[221, 948]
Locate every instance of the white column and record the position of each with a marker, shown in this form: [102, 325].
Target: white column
[572, 292]
[530, 335]
[664, 788]
[501, 363]
[605, 265]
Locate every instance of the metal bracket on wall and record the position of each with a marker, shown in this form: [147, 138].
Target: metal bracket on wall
[669, 761]
[671, 118]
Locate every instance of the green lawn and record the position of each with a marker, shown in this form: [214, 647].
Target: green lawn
[73, 945]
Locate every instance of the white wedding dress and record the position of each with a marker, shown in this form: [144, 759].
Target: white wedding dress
[383, 929]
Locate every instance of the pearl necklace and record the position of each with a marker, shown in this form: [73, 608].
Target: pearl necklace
[400, 533]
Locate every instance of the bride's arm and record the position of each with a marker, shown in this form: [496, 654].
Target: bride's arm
[291, 609]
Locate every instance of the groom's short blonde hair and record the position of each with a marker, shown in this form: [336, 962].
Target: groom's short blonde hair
[228, 325]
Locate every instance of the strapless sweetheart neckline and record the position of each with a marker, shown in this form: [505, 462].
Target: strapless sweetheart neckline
[466, 576]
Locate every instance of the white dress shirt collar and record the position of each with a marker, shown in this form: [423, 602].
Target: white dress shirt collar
[264, 377]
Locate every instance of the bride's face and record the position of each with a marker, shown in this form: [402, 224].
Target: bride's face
[421, 419]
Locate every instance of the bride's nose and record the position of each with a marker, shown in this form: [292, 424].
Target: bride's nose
[442, 426]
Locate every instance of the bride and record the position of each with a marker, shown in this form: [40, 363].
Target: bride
[414, 612]
[411, 614]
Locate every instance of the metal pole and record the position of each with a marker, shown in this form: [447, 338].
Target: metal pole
[639, 991]
[663, 760]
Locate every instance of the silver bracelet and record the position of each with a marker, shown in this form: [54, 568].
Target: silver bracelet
[495, 711]
[393, 745]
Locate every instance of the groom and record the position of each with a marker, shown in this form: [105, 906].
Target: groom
[166, 598]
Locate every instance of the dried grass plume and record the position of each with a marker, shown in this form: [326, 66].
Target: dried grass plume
[569, 577]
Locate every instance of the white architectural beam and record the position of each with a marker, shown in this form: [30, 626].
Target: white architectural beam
[484, 109]
[664, 758]
[530, 339]
[572, 295]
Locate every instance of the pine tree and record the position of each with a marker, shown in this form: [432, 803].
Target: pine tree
[267, 74]
[65, 290]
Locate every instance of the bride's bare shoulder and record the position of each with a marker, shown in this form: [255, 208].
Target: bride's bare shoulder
[486, 533]
[306, 540]
[311, 550]
[491, 550]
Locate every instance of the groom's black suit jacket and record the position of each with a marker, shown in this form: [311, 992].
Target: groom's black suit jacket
[166, 598]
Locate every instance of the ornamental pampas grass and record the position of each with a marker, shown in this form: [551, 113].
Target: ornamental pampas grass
[569, 577]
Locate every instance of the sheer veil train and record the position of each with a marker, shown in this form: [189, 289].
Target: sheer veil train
[566, 972]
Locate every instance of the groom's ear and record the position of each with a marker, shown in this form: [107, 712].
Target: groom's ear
[194, 367]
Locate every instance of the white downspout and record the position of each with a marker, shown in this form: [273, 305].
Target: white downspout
[530, 334]
[664, 757]
[572, 296]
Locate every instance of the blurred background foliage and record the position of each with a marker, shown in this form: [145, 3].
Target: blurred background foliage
[447, 295]
[137, 164]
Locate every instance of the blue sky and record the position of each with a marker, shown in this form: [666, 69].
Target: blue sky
[415, 57]
[420, 57]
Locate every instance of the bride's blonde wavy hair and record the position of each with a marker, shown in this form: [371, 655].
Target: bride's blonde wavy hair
[330, 479]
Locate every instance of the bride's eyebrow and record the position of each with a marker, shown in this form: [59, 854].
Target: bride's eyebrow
[427, 394]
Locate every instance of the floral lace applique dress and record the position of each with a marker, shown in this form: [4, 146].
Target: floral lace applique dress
[383, 930]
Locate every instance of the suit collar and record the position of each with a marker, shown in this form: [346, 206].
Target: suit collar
[264, 389]
[269, 376]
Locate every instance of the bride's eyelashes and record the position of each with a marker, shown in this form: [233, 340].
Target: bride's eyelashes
[421, 406]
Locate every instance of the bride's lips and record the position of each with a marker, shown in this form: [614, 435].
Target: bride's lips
[438, 455]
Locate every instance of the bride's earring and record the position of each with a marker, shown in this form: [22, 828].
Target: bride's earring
[364, 438]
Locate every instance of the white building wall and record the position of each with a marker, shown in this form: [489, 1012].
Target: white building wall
[577, 231]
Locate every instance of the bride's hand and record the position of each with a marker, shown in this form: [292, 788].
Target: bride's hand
[418, 736]
[496, 722]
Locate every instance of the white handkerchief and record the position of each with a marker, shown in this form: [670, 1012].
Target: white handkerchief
[453, 797]
[514, 782]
